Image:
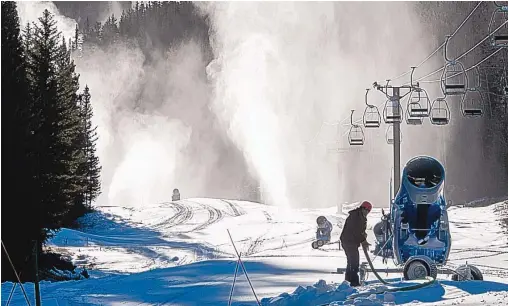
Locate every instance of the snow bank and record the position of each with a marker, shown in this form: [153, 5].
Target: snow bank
[64, 275]
[328, 294]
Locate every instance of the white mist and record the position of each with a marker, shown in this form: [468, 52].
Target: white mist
[282, 68]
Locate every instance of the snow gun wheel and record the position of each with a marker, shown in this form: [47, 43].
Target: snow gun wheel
[315, 245]
[320, 243]
[463, 273]
[419, 267]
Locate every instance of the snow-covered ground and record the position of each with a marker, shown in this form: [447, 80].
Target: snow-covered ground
[180, 254]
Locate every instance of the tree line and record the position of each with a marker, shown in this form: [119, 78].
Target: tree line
[152, 25]
[51, 172]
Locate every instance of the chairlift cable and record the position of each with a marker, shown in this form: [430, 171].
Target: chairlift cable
[439, 48]
[458, 58]
[435, 51]
[443, 44]
[321, 128]
[464, 54]
[468, 69]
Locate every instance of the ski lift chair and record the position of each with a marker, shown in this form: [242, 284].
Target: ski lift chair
[392, 113]
[499, 38]
[389, 135]
[356, 136]
[418, 102]
[439, 112]
[472, 104]
[413, 120]
[454, 78]
[371, 116]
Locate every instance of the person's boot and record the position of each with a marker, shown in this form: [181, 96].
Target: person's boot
[348, 275]
[355, 279]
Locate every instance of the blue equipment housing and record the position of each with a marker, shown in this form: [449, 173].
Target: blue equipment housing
[418, 221]
[323, 235]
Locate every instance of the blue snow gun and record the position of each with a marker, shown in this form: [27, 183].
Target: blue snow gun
[417, 224]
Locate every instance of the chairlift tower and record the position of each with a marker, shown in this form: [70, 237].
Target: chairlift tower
[394, 97]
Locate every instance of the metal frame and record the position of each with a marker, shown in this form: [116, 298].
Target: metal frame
[414, 120]
[397, 113]
[395, 98]
[418, 105]
[474, 95]
[354, 131]
[499, 40]
[453, 68]
[390, 132]
[371, 115]
[440, 105]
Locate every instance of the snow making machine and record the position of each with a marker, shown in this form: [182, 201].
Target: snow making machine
[415, 233]
[323, 233]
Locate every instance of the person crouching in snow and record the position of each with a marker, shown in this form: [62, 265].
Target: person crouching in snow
[324, 231]
[353, 235]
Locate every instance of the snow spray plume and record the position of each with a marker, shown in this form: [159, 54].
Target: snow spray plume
[155, 130]
[281, 69]
[30, 11]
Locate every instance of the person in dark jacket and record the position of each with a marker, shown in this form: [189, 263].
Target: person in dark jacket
[353, 235]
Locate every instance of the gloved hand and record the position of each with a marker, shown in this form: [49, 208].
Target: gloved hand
[365, 244]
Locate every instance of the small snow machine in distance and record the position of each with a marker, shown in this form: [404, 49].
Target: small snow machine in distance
[323, 233]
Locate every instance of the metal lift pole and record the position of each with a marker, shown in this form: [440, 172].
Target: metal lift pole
[395, 100]
[396, 141]
[36, 283]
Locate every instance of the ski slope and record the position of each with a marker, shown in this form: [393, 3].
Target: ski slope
[179, 253]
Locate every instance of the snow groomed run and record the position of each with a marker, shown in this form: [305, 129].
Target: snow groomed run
[133, 256]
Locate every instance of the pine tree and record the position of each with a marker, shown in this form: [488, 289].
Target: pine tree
[17, 204]
[88, 169]
[50, 142]
[76, 38]
[110, 31]
[92, 165]
[53, 88]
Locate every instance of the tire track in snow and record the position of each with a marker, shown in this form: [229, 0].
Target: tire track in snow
[293, 256]
[496, 253]
[474, 250]
[214, 216]
[183, 214]
[235, 209]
